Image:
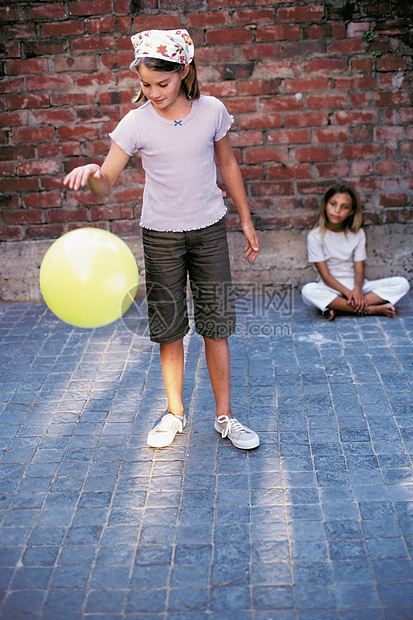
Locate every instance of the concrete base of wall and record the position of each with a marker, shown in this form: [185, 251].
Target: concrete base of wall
[282, 261]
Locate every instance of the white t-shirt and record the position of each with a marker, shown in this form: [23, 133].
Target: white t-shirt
[338, 250]
[181, 191]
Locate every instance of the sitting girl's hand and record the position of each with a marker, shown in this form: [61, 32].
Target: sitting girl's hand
[79, 176]
[357, 300]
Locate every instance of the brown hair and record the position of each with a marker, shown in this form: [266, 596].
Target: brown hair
[189, 86]
[354, 220]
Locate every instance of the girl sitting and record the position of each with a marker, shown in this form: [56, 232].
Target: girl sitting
[337, 247]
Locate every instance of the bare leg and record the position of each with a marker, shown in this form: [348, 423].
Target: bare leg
[172, 361]
[219, 368]
[376, 306]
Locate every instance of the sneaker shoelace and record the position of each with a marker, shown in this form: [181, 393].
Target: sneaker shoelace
[232, 426]
[167, 423]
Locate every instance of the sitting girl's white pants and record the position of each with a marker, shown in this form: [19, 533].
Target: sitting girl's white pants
[389, 289]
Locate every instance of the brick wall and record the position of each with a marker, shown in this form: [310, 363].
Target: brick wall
[320, 90]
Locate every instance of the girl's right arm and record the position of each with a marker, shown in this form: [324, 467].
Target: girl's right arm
[330, 281]
[100, 179]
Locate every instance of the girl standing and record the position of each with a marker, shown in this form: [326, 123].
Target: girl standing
[337, 247]
[181, 137]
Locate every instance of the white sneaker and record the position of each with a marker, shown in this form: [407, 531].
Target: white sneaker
[164, 432]
[240, 435]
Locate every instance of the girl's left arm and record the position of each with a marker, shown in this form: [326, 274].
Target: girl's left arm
[231, 175]
[356, 298]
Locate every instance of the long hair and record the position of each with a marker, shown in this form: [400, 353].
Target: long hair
[189, 84]
[354, 220]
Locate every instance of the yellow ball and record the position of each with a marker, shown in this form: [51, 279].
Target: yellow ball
[89, 277]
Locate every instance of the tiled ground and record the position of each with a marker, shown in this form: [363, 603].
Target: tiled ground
[317, 524]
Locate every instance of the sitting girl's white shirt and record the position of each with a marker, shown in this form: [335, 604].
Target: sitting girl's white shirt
[181, 191]
[338, 250]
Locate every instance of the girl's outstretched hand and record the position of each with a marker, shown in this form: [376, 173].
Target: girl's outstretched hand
[252, 248]
[79, 176]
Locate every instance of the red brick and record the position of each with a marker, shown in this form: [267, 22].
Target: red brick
[297, 171]
[269, 188]
[7, 169]
[63, 29]
[240, 105]
[53, 116]
[328, 100]
[388, 134]
[391, 63]
[42, 200]
[48, 82]
[310, 119]
[28, 66]
[17, 184]
[11, 233]
[258, 121]
[220, 89]
[362, 65]
[289, 136]
[261, 51]
[212, 19]
[302, 49]
[79, 63]
[244, 17]
[396, 98]
[111, 212]
[313, 154]
[280, 103]
[102, 24]
[45, 231]
[11, 85]
[33, 135]
[263, 154]
[213, 55]
[91, 7]
[160, 22]
[325, 65]
[279, 32]
[246, 138]
[67, 215]
[331, 134]
[28, 101]
[361, 99]
[360, 151]
[356, 29]
[95, 79]
[23, 216]
[228, 36]
[346, 47]
[92, 44]
[220, 4]
[19, 152]
[394, 200]
[385, 167]
[45, 11]
[78, 132]
[336, 170]
[361, 168]
[356, 117]
[126, 228]
[25, 31]
[34, 168]
[319, 31]
[306, 84]
[300, 14]
[72, 99]
[8, 14]
[60, 149]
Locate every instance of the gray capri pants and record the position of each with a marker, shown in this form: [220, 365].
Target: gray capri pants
[203, 255]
